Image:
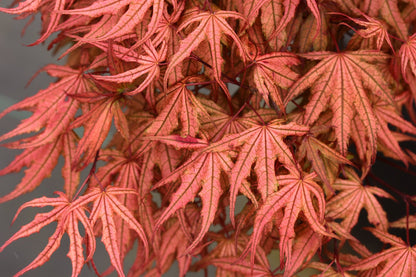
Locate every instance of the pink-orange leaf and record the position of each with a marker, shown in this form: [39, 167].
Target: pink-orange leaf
[251, 9]
[399, 259]
[352, 197]
[53, 109]
[68, 217]
[40, 161]
[341, 80]
[130, 19]
[178, 102]
[408, 55]
[297, 193]
[203, 170]
[211, 26]
[272, 72]
[105, 207]
[261, 144]
[97, 123]
[149, 64]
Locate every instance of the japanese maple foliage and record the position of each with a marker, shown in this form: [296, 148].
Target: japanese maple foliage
[219, 133]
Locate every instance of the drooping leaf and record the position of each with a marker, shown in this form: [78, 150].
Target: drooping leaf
[105, 207]
[40, 161]
[32, 6]
[68, 217]
[130, 19]
[55, 102]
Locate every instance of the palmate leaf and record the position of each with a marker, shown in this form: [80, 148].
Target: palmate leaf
[55, 102]
[387, 115]
[342, 80]
[190, 145]
[271, 72]
[68, 217]
[320, 154]
[375, 31]
[296, 194]
[97, 123]
[40, 161]
[177, 103]
[221, 122]
[251, 9]
[123, 173]
[149, 64]
[129, 20]
[400, 259]
[202, 170]
[352, 197]
[105, 207]
[261, 144]
[211, 27]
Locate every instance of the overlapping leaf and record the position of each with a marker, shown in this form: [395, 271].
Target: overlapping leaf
[40, 161]
[178, 150]
[32, 6]
[271, 73]
[97, 123]
[129, 20]
[149, 64]
[201, 173]
[251, 9]
[177, 102]
[211, 27]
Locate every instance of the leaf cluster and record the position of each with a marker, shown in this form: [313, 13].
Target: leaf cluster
[221, 133]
